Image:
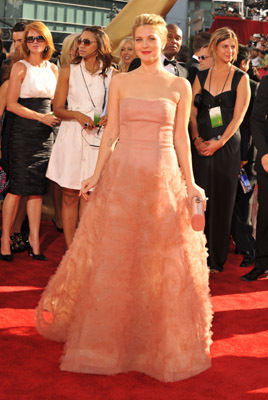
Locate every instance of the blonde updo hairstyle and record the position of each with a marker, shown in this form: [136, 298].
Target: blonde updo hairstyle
[43, 30]
[219, 36]
[128, 39]
[69, 42]
[153, 20]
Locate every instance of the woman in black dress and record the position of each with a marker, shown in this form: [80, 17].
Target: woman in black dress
[31, 87]
[220, 100]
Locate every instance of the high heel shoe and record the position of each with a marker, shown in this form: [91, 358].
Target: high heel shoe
[39, 257]
[17, 244]
[6, 257]
[56, 226]
[20, 241]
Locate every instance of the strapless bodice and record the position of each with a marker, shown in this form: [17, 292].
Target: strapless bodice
[147, 120]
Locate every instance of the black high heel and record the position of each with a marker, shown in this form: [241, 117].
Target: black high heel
[39, 257]
[20, 241]
[17, 244]
[6, 257]
[56, 226]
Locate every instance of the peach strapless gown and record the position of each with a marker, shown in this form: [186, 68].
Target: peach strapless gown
[131, 294]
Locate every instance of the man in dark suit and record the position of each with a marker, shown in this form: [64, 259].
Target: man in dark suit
[171, 49]
[259, 128]
[241, 229]
[200, 40]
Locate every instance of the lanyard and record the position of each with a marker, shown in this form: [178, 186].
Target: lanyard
[224, 82]
[104, 99]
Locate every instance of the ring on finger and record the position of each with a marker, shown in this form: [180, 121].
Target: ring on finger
[86, 124]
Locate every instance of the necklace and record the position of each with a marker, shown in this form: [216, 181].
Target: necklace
[224, 82]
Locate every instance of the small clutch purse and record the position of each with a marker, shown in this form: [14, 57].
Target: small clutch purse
[198, 215]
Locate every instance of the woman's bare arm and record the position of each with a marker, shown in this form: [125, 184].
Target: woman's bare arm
[240, 109]
[59, 103]
[3, 100]
[18, 73]
[197, 140]
[182, 141]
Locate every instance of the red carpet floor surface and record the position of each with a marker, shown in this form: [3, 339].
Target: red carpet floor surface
[29, 364]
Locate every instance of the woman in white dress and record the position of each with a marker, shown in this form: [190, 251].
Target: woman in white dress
[83, 85]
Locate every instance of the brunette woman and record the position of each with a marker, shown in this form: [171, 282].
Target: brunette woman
[83, 85]
[220, 100]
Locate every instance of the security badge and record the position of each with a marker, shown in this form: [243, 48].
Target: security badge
[215, 117]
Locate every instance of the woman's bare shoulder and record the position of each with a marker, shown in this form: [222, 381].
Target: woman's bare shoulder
[65, 72]
[54, 67]
[18, 71]
[4, 86]
[121, 75]
[179, 85]
[182, 83]
[120, 79]
[19, 66]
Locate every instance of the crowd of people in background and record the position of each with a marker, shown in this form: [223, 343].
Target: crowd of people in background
[54, 132]
[255, 10]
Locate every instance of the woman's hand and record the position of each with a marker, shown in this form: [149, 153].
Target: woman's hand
[103, 120]
[200, 145]
[211, 147]
[85, 121]
[264, 162]
[49, 119]
[197, 191]
[86, 185]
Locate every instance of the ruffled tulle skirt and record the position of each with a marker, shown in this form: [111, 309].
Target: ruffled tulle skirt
[132, 291]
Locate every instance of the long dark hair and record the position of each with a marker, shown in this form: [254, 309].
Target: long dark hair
[104, 48]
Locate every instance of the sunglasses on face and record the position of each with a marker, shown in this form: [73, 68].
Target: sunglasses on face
[203, 57]
[86, 42]
[31, 39]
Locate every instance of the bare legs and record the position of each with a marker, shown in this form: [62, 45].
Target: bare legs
[34, 208]
[9, 212]
[20, 216]
[72, 209]
[10, 208]
[56, 193]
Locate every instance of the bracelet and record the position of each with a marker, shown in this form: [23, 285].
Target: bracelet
[194, 139]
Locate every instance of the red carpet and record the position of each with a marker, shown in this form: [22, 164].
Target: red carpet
[29, 364]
